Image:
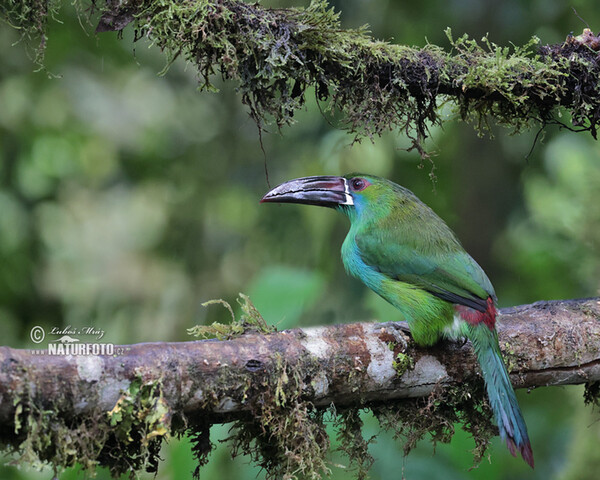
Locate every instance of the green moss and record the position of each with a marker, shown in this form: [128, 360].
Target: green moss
[250, 321]
[283, 432]
[510, 359]
[507, 78]
[285, 435]
[352, 442]
[31, 18]
[437, 415]
[591, 394]
[278, 56]
[46, 438]
[126, 439]
[403, 363]
[139, 421]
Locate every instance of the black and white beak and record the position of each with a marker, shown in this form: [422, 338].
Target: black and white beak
[324, 191]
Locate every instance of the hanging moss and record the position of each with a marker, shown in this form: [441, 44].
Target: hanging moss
[279, 56]
[353, 443]
[126, 439]
[591, 394]
[31, 18]
[437, 416]
[285, 435]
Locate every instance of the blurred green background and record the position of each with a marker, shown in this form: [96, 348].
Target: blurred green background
[127, 199]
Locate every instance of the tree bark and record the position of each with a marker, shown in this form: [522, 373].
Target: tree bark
[546, 343]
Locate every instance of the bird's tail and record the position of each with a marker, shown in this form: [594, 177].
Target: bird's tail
[500, 391]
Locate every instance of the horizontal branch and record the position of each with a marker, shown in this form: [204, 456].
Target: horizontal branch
[141, 393]
[546, 343]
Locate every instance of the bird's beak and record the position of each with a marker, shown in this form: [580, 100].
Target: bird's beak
[325, 191]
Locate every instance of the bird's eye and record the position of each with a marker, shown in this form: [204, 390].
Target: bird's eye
[357, 184]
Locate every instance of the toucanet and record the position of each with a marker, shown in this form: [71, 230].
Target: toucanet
[404, 252]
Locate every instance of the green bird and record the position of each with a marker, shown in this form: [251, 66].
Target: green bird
[405, 253]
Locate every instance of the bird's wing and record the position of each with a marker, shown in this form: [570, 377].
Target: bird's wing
[449, 273]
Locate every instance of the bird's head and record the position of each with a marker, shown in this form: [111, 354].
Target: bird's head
[351, 193]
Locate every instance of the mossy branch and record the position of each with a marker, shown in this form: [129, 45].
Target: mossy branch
[277, 55]
[279, 388]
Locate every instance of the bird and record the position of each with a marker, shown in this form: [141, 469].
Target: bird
[403, 251]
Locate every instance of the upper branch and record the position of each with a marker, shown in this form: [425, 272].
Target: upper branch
[277, 54]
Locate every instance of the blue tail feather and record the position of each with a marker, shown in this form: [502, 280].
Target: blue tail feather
[500, 392]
